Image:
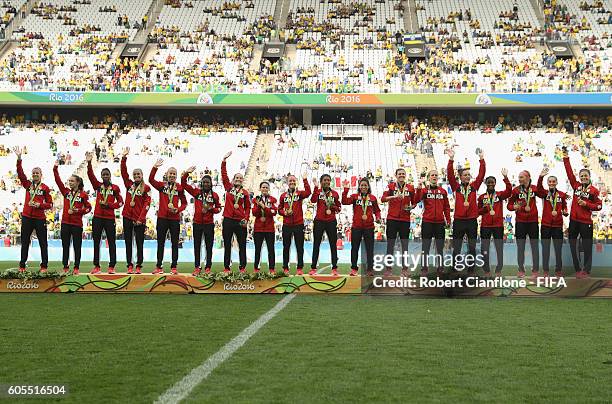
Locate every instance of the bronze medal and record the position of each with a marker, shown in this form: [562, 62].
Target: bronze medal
[235, 206]
[492, 212]
[466, 204]
[132, 203]
[263, 219]
[328, 212]
[364, 217]
[527, 208]
[554, 213]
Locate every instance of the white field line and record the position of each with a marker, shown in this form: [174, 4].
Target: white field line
[185, 386]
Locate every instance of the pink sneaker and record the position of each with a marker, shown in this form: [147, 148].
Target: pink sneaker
[312, 271]
[521, 274]
[255, 270]
[370, 273]
[95, 270]
[66, 270]
[227, 270]
[286, 271]
[207, 270]
[22, 269]
[545, 274]
[130, 269]
[354, 272]
[43, 270]
[111, 270]
[196, 271]
[534, 275]
[559, 274]
[582, 275]
[299, 271]
[272, 271]
[334, 271]
[173, 271]
[75, 271]
[157, 270]
[242, 270]
[138, 270]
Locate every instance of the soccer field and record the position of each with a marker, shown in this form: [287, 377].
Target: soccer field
[133, 348]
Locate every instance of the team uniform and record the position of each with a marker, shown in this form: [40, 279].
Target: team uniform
[490, 207]
[203, 221]
[324, 222]
[365, 211]
[436, 213]
[104, 218]
[236, 210]
[553, 206]
[263, 229]
[398, 215]
[168, 221]
[290, 208]
[466, 211]
[581, 221]
[33, 218]
[71, 229]
[526, 225]
[137, 203]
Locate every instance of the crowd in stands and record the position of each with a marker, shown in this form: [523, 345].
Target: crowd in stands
[340, 46]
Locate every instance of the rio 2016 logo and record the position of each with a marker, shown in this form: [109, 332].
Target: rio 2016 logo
[22, 285]
[238, 286]
[343, 99]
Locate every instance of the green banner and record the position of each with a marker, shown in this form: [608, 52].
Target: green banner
[167, 97]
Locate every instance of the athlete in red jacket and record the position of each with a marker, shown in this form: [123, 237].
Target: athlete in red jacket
[523, 202]
[554, 207]
[436, 215]
[466, 206]
[37, 200]
[585, 201]
[137, 202]
[172, 202]
[108, 198]
[236, 213]
[365, 211]
[206, 205]
[490, 207]
[290, 208]
[327, 203]
[76, 204]
[264, 210]
[401, 199]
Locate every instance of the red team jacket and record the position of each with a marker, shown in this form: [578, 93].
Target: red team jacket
[232, 195]
[496, 220]
[178, 194]
[40, 194]
[141, 196]
[461, 211]
[319, 197]
[547, 207]
[211, 198]
[371, 207]
[588, 194]
[297, 215]
[80, 207]
[520, 196]
[435, 204]
[396, 209]
[113, 199]
[264, 218]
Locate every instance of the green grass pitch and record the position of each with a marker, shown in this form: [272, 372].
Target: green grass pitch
[132, 348]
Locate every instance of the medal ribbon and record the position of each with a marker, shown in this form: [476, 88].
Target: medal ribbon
[106, 191]
[491, 200]
[364, 203]
[553, 200]
[265, 202]
[171, 193]
[33, 190]
[329, 200]
[236, 194]
[465, 191]
[72, 198]
[292, 198]
[133, 189]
